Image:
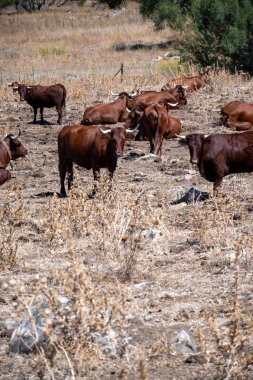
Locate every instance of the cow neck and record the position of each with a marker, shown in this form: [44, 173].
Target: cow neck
[3, 164]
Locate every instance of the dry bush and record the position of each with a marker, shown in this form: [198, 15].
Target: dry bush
[229, 345]
[220, 224]
[11, 213]
[113, 227]
[84, 322]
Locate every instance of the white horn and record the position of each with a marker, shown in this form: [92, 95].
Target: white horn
[132, 130]
[128, 110]
[185, 87]
[172, 104]
[17, 136]
[133, 93]
[113, 94]
[101, 130]
[181, 137]
[206, 136]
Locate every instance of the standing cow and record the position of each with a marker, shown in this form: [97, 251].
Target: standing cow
[10, 149]
[89, 147]
[42, 96]
[219, 155]
[155, 124]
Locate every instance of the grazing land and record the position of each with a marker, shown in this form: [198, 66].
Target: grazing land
[136, 269]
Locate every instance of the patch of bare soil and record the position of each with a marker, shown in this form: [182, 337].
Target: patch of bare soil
[191, 264]
[154, 290]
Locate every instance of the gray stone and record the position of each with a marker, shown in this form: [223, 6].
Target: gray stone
[184, 344]
[144, 285]
[29, 335]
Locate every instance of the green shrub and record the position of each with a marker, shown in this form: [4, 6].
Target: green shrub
[5, 3]
[214, 31]
[58, 50]
[172, 66]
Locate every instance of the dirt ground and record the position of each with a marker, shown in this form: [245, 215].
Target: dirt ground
[191, 265]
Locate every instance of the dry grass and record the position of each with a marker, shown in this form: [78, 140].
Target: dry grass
[138, 265]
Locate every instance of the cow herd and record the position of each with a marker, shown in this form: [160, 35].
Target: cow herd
[146, 116]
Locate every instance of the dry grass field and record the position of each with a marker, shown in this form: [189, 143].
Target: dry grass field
[135, 270]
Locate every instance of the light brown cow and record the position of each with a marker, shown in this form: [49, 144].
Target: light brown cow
[237, 115]
[190, 84]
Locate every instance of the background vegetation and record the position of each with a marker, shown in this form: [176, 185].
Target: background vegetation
[214, 32]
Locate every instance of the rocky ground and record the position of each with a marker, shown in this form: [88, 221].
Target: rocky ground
[190, 267]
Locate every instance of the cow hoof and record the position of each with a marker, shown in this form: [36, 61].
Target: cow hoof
[62, 195]
[92, 195]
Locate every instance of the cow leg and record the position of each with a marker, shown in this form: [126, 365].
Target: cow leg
[96, 174]
[216, 184]
[152, 145]
[70, 174]
[34, 115]
[62, 171]
[5, 175]
[59, 110]
[158, 145]
[41, 114]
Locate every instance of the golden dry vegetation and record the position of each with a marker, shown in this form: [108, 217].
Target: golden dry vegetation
[137, 270]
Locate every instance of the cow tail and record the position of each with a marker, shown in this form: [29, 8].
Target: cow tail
[63, 103]
[157, 135]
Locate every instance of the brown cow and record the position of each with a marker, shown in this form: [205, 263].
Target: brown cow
[189, 83]
[219, 155]
[110, 113]
[237, 115]
[42, 96]
[174, 98]
[89, 147]
[10, 149]
[154, 123]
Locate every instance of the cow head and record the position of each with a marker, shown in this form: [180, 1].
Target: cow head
[16, 148]
[133, 119]
[128, 97]
[205, 76]
[179, 92]
[22, 90]
[117, 138]
[195, 144]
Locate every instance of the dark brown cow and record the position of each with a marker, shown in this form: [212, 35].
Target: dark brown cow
[221, 154]
[110, 113]
[189, 83]
[10, 149]
[154, 124]
[42, 96]
[89, 147]
[174, 98]
[237, 115]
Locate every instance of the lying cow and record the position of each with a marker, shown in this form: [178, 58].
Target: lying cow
[173, 98]
[237, 115]
[155, 124]
[219, 155]
[10, 149]
[110, 113]
[89, 147]
[190, 84]
[42, 96]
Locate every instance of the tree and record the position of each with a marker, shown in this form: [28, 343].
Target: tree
[112, 3]
[33, 5]
[213, 31]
